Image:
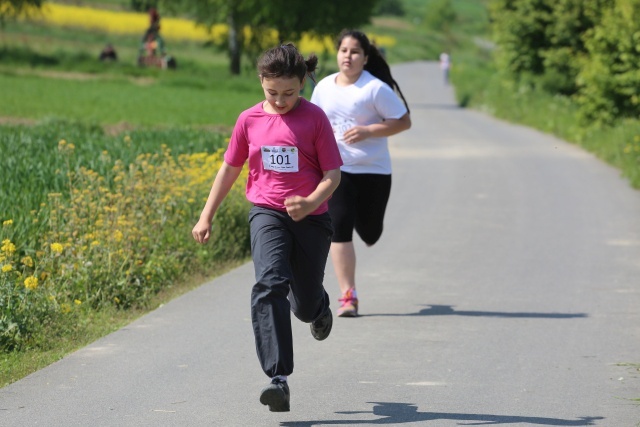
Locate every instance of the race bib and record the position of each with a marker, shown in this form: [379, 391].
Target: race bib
[280, 159]
[340, 126]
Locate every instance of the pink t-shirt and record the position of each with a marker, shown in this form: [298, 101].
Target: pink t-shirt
[287, 153]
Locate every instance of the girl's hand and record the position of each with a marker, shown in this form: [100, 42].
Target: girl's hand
[202, 231]
[356, 134]
[298, 207]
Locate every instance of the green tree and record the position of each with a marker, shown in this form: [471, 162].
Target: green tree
[542, 41]
[11, 8]
[610, 76]
[570, 21]
[290, 18]
[235, 13]
[519, 29]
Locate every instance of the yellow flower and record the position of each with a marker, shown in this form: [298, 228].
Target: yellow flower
[28, 261]
[127, 139]
[8, 247]
[65, 308]
[77, 302]
[31, 282]
[57, 248]
[7, 268]
[7, 222]
[117, 300]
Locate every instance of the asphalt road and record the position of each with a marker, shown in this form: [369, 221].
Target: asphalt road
[505, 291]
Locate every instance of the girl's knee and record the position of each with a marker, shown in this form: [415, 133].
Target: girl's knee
[305, 317]
[307, 312]
[263, 289]
[371, 238]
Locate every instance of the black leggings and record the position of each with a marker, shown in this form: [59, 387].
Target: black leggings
[359, 203]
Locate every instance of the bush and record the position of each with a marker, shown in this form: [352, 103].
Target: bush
[109, 229]
[610, 77]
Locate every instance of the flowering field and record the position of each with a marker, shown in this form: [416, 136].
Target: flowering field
[106, 220]
[117, 22]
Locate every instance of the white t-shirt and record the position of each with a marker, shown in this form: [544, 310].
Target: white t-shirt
[367, 101]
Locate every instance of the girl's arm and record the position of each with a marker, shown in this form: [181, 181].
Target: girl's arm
[299, 207]
[225, 178]
[385, 128]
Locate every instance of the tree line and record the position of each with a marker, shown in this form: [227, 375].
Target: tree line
[290, 18]
[588, 50]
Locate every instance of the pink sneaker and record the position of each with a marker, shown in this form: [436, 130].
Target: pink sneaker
[348, 305]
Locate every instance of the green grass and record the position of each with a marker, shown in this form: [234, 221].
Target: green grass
[52, 72]
[167, 102]
[57, 41]
[149, 190]
[412, 42]
[472, 17]
[16, 365]
[30, 160]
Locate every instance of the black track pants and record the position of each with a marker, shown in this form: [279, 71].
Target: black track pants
[289, 259]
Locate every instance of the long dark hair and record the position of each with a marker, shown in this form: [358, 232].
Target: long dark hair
[376, 64]
[286, 61]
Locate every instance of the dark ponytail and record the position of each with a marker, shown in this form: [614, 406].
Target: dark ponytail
[376, 64]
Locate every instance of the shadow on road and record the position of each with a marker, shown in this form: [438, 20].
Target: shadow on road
[448, 310]
[399, 413]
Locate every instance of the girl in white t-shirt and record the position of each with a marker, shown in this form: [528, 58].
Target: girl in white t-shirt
[363, 110]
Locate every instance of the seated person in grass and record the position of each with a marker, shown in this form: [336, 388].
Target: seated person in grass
[108, 53]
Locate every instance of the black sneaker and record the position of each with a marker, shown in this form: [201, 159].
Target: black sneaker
[276, 395]
[321, 327]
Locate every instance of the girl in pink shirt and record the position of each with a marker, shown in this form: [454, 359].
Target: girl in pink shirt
[294, 167]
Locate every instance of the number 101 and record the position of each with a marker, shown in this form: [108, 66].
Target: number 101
[280, 159]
